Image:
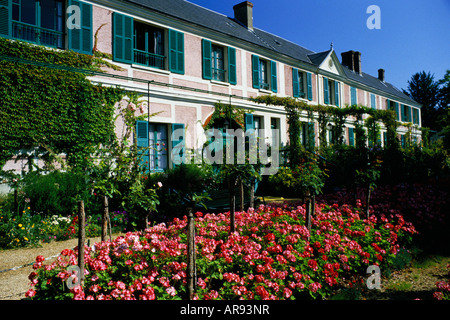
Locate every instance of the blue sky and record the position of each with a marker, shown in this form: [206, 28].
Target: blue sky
[414, 35]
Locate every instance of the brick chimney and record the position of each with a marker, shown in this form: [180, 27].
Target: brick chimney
[243, 12]
[357, 62]
[352, 60]
[381, 74]
[347, 59]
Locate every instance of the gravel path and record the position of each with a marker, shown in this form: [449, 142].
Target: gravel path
[14, 283]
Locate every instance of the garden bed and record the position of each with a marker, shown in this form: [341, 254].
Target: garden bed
[269, 257]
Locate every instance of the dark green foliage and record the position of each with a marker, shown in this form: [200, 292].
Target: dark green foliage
[49, 108]
[55, 193]
[179, 185]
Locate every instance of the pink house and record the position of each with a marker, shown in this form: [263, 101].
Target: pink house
[185, 58]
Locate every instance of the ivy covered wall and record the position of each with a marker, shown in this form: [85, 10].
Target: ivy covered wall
[50, 108]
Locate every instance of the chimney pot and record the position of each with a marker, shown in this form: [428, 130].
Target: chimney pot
[243, 12]
[381, 74]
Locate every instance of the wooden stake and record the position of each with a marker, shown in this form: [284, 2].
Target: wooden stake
[81, 240]
[191, 266]
[252, 194]
[241, 195]
[232, 206]
[105, 218]
[308, 212]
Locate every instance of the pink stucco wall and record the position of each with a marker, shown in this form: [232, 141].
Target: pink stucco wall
[361, 94]
[102, 26]
[193, 60]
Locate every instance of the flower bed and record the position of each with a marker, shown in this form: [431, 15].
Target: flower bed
[268, 257]
[443, 288]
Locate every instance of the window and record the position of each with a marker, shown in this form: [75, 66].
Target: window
[44, 22]
[330, 92]
[307, 137]
[394, 106]
[275, 125]
[264, 74]
[257, 124]
[149, 46]
[219, 63]
[263, 81]
[153, 144]
[302, 84]
[158, 146]
[406, 113]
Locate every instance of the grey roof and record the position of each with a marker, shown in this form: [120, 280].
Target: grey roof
[195, 14]
[317, 58]
[374, 82]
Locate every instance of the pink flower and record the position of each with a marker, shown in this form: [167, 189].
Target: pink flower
[171, 291]
[120, 285]
[314, 286]
[287, 293]
[30, 293]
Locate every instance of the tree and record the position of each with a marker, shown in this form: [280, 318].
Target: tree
[424, 89]
[444, 92]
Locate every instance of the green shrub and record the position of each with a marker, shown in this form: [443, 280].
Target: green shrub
[54, 193]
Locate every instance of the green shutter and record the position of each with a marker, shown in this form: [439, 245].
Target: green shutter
[351, 137]
[176, 51]
[295, 83]
[178, 144]
[6, 18]
[80, 37]
[336, 93]
[354, 100]
[142, 143]
[249, 123]
[232, 78]
[255, 71]
[122, 38]
[273, 74]
[206, 59]
[309, 85]
[397, 111]
[326, 92]
[416, 116]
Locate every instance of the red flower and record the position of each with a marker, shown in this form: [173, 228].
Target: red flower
[39, 259]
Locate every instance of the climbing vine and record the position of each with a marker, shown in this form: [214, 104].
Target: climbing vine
[338, 116]
[46, 108]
